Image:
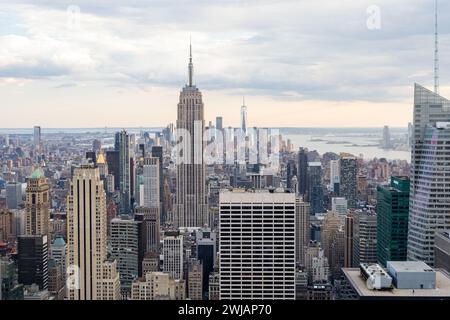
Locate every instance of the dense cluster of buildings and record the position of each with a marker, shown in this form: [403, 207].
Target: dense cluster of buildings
[101, 217]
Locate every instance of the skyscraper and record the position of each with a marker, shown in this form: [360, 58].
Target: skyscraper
[291, 171]
[195, 279]
[112, 160]
[206, 253]
[330, 225]
[13, 195]
[173, 256]
[335, 177]
[33, 260]
[364, 237]
[392, 220]
[315, 187]
[157, 152]
[243, 122]
[348, 240]
[37, 136]
[151, 228]
[86, 239]
[122, 145]
[302, 169]
[386, 142]
[219, 123]
[302, 230]
[37, 204]
[151, 183]
[124, 249]
[332, 241]
[191, 208]
[348, 185]
[257, 245]
[429, 204]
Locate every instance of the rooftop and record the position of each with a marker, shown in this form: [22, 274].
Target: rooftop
[37, 174]
[255, 197]
[410, 266]
[101, 158]
[59, 242]
[359, 284]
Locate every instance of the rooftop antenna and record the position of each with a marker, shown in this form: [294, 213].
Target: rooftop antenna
[190, 66]
[436, 49]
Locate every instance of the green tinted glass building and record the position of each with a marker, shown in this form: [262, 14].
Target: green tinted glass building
[392, 220]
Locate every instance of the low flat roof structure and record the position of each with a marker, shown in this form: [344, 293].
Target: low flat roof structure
[410, 266]
[442, 290]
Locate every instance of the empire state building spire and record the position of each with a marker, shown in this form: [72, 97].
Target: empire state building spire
[191, 67]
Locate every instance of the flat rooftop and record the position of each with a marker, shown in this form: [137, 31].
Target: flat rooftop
[410, 266]
[359, 284]
[237, 196]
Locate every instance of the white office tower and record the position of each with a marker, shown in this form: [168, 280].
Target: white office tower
[339, 205]
[173, 256]
[151, 182]
[257, 245]
[191, 205]
[91, 275]
[334, 176]
[429, 204]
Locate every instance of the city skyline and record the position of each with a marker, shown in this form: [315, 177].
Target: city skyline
[213, 202]
[98, 60]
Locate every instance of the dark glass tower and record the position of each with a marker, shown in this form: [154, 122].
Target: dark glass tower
[315, 188]
[33, 260]
[157, 152]
[302, 169]
[392, 220]
[122, 145]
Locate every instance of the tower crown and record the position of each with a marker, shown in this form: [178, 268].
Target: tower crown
[190, 68]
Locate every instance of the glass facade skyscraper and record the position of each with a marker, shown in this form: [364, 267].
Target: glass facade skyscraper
[430, 174]
[392, 220]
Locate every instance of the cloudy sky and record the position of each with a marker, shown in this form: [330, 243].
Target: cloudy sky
[321, 63]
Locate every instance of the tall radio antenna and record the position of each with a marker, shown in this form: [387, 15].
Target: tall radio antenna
[436, 49]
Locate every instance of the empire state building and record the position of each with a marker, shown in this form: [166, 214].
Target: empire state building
[191, 206]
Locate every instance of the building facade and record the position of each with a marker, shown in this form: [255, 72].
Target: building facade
[257, 245]
[37, 204]
[392, 220]
[93, 277]
[429, 206]
[191, 208]
[348, 184]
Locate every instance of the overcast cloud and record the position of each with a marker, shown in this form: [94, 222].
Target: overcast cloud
[280, 53]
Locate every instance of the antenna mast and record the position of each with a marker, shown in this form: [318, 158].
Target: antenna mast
[436, 50]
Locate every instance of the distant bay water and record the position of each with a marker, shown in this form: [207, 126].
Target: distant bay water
[357, 141]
